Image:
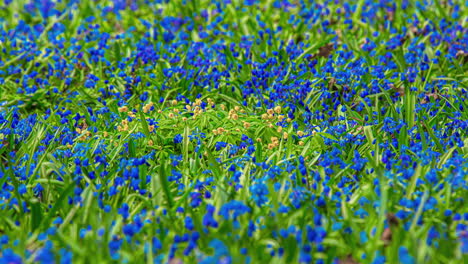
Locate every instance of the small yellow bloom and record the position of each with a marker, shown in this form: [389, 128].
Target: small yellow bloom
[277, 109]
[123, 109]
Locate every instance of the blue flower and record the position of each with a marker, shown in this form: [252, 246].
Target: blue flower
[178, 139]
[259, 193]
[404, 256]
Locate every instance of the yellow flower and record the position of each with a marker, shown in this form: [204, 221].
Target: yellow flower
[123, 109]
[277, 109]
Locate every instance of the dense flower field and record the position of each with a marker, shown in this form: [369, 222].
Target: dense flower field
[233, 131]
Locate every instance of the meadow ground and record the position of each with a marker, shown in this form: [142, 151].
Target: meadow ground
[233, 131]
